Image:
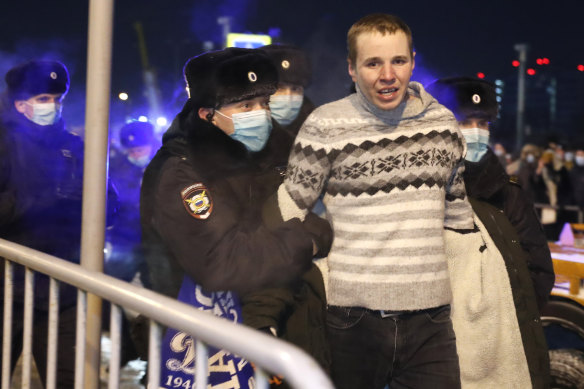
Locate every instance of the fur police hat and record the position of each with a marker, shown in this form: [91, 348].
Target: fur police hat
[136, 134]
[292, 63]
[36, 77]
[230, 75]
[466, 97]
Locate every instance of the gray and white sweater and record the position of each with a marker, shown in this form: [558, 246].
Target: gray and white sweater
[391, 180]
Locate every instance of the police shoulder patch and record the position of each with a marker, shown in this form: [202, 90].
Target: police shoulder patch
[197, 201]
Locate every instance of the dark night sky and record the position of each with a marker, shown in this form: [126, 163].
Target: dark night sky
[450, 37]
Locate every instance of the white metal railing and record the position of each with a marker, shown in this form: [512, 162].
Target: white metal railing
[270, 353]
[571, 208]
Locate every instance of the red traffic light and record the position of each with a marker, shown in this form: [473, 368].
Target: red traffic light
[531, 71]
[515, 63]
[539, 61]
[481, 75]
[581, 68]
[545, 61]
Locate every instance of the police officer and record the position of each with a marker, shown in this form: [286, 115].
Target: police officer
[289, 105]
[511, 222]
[203, 194]
[138, 146]
[41, 169]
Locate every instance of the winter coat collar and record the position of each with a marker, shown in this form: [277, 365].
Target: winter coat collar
[485, 178]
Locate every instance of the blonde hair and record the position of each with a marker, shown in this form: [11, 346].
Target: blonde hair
[382, 23]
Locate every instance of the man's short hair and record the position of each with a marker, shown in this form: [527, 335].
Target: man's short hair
[378, 22]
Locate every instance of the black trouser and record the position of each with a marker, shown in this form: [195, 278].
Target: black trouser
[408, 350]
[40, 339]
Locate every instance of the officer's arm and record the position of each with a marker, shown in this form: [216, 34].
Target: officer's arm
[209, 236]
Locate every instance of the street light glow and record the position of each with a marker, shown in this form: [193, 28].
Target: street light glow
[123, 96]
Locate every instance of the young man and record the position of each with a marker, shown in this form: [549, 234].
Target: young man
[388, 160]
[202, 200]
[497, 289]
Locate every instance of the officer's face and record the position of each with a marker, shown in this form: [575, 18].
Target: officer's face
[382, 68]
[139, 151]
[226, 123]
[25, 107]
[483, 124]
[289, 89]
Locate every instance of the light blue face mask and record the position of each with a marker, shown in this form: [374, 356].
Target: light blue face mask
[477, 141]
[140, 161]
[285, 108]
[251, 128]
[45, 114]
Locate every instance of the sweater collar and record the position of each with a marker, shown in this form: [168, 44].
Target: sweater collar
[416, 102]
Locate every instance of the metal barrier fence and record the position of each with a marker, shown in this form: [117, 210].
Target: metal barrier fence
[270, 353]
[571, 208]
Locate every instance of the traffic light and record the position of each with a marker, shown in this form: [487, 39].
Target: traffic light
[581, 68]
[499, 85]
[531, 71]
[481, 75]
[515, 63]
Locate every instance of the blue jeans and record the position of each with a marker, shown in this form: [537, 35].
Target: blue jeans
[412, 349]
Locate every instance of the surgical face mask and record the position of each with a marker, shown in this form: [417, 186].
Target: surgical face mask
[45, 114]
[579, 160]
[477, 141]
[569, 156]
[251, 128]
[530, 158]
[285, 108]
[139, 161]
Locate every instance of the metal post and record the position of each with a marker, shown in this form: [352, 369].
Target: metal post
[553, 91]
[522, 49]
[95, 168]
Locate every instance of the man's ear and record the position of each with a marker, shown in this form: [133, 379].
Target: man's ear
[205, 112]
[352, 70]
[20, 106]
[413, 60]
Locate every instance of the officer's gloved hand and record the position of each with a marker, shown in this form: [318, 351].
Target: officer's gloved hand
[321, 232]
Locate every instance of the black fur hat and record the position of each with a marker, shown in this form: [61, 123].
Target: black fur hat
[36, 77]
[226, 76]
[292, 63]
[136, 134]
[466, 97]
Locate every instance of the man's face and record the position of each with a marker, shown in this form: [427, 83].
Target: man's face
[383, 68]
[289, 89]
[226, 123]
[139, 151]
[25, 107]
[483, 124]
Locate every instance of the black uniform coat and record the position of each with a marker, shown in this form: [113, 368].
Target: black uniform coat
[486, 180]
[499, 204]
[40, 195]
[230, 247]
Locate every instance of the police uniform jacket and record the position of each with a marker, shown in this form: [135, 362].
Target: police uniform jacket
[40, 194]
[511, 222]
[487, 180]
[201, 213]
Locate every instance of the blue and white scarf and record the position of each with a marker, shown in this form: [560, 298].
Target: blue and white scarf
[226, 370]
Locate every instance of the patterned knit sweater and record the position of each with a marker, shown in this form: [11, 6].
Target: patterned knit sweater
[391, 181]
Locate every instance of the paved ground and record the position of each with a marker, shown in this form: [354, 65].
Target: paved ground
[130, 375]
